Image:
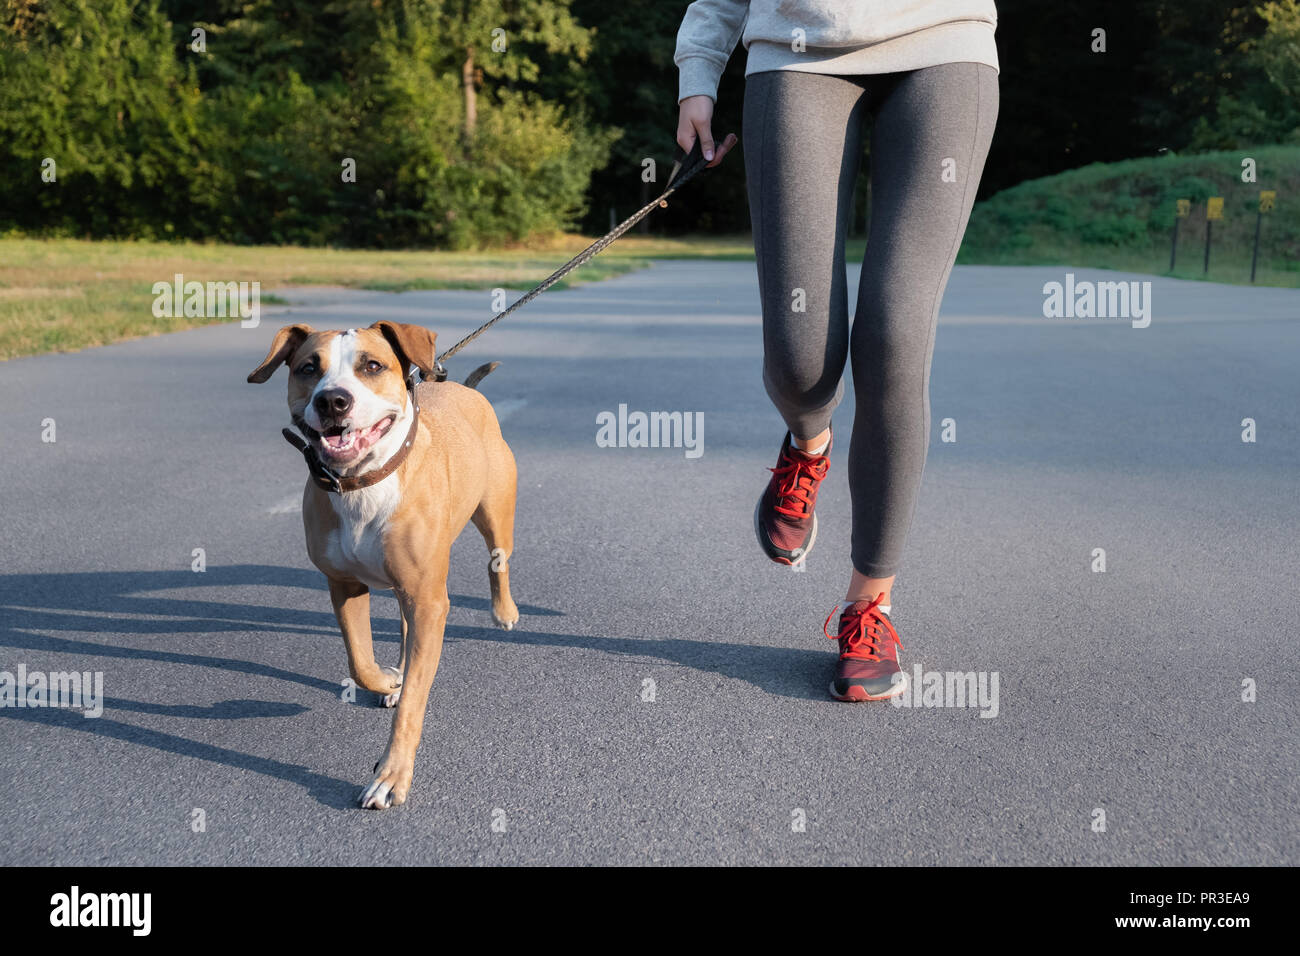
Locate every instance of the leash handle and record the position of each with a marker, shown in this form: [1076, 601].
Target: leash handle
[689, 160]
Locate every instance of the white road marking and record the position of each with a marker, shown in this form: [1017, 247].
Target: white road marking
[288, 506]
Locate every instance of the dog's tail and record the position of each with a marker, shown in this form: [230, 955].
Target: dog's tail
[479, 374]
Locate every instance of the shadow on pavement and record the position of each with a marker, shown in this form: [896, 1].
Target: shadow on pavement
[800, 673]
[115, 603]
[330, 791]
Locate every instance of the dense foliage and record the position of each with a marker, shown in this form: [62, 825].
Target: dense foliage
[474, 123]
[247, 138]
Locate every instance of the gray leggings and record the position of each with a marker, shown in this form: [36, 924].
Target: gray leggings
[930, 134]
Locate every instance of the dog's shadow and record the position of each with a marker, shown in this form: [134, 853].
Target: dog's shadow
[35, 608]
[800, 673]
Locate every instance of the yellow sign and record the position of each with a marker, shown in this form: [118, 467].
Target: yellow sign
[1214, 208]
[1266, 199]
[1184, 208]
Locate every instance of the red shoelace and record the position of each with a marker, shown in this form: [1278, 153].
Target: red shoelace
[799, 475]
[863, 633]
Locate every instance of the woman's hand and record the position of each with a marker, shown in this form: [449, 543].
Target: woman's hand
[694, 119]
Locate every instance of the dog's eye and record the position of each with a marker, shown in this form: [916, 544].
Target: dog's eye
[307, 368]
[373, 366]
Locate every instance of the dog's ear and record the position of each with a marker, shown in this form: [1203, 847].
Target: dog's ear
[414, 344]
[286, 341]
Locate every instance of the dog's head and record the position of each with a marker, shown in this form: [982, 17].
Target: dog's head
[349, 387]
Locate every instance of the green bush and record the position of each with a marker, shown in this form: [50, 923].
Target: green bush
[86, 88]
[246, 141]
[1112, 230]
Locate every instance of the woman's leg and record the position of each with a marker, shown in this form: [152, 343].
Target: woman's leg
[930, 137]
[802, 141]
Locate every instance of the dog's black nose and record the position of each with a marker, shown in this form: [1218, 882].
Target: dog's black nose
[333, 403]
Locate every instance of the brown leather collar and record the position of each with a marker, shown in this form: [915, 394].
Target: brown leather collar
[329, 480]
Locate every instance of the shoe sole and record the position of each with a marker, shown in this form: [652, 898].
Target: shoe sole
[788, 562]
[859, 695]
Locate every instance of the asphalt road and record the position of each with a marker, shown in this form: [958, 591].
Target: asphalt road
[1118, 691]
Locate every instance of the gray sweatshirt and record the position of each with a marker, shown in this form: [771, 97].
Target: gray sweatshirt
[823, 36]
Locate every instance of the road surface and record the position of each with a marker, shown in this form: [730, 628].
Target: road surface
[663, 699]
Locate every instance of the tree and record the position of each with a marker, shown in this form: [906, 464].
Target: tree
[83, 85]
[1267, 109]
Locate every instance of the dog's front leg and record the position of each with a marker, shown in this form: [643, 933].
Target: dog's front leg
[426, 613]
[351, 600]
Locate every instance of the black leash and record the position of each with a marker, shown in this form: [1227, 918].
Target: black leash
[684, 167]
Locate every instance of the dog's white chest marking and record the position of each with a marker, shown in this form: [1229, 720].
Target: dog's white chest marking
[357, 544]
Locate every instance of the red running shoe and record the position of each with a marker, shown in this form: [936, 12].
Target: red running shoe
[784, 520]
[869, 646]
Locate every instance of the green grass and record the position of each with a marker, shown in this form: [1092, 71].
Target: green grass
[61, 295]
[593, 271]
[64, 294]
[1121, 215]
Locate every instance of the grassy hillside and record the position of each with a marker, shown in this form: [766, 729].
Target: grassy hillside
[1120, 216]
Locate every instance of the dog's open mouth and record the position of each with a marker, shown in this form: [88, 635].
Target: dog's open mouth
[342, 445]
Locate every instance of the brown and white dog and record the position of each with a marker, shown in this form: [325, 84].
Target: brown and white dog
[349, 390]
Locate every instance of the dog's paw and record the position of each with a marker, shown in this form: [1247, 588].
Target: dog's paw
[389, 788]
[390, 699]
[506, 615]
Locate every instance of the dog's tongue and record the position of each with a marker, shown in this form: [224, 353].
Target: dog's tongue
[339, 443]
[353, 442]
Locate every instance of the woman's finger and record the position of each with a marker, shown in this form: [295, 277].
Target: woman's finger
[706, 138]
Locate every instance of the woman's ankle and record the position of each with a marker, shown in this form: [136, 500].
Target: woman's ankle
[863, 588]
[813, 446]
